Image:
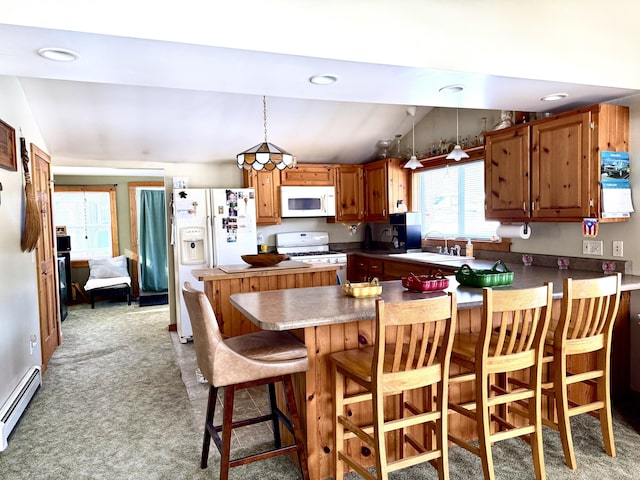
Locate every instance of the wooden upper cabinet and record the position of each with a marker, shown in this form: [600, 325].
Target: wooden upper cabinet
[349, 193]
[266, 185]
[385, 182]
[549, 169]
[561, 166]
[507, 181]
[310, 174]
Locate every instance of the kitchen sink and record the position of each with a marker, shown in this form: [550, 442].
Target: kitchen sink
[429, 257]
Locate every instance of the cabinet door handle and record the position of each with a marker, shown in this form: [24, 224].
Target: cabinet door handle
[524, 207]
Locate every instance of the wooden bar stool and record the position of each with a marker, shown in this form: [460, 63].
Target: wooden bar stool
[241, 362]
[412, 348]
[513, 327]
[588, 312]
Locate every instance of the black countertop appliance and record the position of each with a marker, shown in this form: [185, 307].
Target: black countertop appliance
[406, 226]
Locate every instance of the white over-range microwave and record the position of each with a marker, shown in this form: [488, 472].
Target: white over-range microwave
[307, 201]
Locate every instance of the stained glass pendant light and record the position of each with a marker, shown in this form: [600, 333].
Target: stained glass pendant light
[413, 162]
[457, 153]
[265, 156]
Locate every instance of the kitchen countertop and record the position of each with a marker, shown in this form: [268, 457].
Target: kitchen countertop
[315, 306]
[204, 274]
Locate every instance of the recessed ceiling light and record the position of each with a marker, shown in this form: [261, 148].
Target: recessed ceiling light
[554, 97]
[324, 79]
[58, 54]
[451, 89]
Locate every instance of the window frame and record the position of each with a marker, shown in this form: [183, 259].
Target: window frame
[111, 190]
[475, 154]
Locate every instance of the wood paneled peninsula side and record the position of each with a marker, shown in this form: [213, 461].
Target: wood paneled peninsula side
[219, 285]
[330, 321]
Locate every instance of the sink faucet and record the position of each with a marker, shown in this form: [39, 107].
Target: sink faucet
[455, 250]
[444, 251]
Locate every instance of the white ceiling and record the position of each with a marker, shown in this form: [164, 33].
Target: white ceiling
[185, 83]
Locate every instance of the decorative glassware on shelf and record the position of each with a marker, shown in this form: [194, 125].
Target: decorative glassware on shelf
[383, 148]
[563, 263]
[527, 260]
[481, 138]
[396, 146]
[608, 267]
[506, 120]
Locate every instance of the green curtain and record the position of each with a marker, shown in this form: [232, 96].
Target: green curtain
[154, 274]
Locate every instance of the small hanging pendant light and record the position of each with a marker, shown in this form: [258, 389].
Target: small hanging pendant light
[265, 156]
[457, 153]
[413, 162]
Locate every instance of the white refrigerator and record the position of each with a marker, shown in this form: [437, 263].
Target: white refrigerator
[210, 227]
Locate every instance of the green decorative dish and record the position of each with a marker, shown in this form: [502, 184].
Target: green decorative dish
[499, 274]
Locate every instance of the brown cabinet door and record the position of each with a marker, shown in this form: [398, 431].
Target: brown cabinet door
[267, 188]
[350, 194]
[308, 175]
[376, 193]
[561, 168]
[507, 175]
[45, 260]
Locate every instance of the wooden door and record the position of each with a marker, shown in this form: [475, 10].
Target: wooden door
[45, 257]
[350, 194]
[507, 175]
[376, 194]
[560, 166]
[266, 185]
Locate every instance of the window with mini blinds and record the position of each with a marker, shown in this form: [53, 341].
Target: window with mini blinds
[89, 214]
[451, 200]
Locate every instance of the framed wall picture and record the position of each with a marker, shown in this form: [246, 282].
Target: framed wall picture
[61, 230]
[7, 147]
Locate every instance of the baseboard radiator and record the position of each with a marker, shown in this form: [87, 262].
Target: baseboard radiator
[17, 403]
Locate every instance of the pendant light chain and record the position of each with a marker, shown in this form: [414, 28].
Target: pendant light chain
[84, 203]
[264, 104]
[413, 133]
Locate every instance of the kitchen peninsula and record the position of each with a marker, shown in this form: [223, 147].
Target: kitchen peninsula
[330, 321]
[224, 280]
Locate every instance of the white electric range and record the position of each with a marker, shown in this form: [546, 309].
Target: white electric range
[311, 247]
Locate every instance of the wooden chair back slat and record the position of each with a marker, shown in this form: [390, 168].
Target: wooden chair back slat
[423, 334]
[589, 307]
[515, 322]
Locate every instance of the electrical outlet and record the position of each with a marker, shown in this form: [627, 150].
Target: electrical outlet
[592, 247]
[596, 247]
[617, 248]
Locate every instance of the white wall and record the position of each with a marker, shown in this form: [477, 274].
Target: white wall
[18, 284]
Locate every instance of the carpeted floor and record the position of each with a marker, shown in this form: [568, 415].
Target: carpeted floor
[112, 404]
[120, 400]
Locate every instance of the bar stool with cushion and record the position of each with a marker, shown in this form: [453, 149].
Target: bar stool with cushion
[420, 334]
[513, 327]
[241, 362]
[588, 312]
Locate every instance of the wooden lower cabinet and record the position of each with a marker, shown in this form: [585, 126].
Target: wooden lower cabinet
[361, 267]
[219, 288]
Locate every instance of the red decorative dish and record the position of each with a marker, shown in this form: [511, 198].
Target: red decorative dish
[425, 283]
